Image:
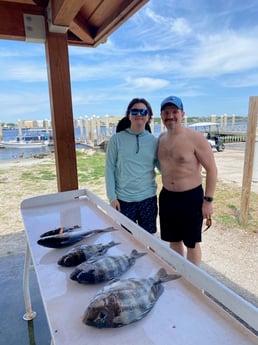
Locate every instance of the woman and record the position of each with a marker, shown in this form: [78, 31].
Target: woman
[130, 168]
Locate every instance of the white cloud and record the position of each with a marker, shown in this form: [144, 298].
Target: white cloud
[26, 73]
[221, 54]
[206, 48]
[181, 27]
[147, 83]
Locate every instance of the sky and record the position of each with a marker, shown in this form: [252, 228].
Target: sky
[204, 52]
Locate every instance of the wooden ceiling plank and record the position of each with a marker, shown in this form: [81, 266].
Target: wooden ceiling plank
[117, 18]
[114, 16]
[64, 11]
[90, 7]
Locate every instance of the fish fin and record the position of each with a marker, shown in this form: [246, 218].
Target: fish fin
[112, 281]
[106, 247]
[113, 243]
[95, 258]
[122, 320]
[159, 291]
[163, 276]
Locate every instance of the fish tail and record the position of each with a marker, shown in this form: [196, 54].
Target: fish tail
[135, 254]
[111, 228]
[163, 276]
[97, 231]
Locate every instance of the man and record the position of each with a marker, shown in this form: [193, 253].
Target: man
[183, 204]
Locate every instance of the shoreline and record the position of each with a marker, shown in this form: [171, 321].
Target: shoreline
[9, 163]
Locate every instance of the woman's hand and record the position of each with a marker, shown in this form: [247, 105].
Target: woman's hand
[115, 204]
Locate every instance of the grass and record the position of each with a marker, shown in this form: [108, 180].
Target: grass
[44, 175]
[90, 168]
[41, 179]
[227, 207]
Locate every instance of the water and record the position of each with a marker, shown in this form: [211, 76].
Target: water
[12, 153]
[19, 153]
[11, 134]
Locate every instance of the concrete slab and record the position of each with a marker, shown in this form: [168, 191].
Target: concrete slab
[13, 329]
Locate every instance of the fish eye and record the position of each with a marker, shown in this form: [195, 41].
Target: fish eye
[102, 315]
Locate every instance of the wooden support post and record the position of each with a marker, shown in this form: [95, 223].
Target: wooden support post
[213, 118]
[221, 121]
[87, 129]
[19, 129]
[225, 121]
[107, 126]
[255, 167]
[81, 130]
[233, 122]
[249, 159]
[98, 130]
[93, 129]
[61, 111]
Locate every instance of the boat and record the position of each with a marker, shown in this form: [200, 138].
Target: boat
[21, 144]
[33, 138]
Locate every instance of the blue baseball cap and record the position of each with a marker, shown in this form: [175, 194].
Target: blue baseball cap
[172, 100]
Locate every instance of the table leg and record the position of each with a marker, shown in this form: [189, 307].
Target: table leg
[30, 314]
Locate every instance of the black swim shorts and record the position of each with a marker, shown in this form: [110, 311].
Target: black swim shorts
[180, 216]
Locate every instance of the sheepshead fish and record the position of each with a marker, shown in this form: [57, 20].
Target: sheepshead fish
[122, 302]
[60, 230]
[104, 268]
[68, 238]
[84, 252]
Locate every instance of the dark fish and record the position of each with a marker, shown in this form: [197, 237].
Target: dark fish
[68, 238]
[104, 268]
[122, 302]
[83, 252]
[60, 230]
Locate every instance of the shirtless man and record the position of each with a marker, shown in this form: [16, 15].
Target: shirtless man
[183, 204]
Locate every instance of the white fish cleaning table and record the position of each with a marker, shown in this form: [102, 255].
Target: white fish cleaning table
[183, 314]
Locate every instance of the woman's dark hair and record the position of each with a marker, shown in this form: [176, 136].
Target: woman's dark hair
[126, 123]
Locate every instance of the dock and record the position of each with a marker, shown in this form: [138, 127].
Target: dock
[95, 131]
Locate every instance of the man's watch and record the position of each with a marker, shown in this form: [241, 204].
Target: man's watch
[208, 198]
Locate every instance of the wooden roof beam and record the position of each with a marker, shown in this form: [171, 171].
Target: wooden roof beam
[91, 36]
[81, 30]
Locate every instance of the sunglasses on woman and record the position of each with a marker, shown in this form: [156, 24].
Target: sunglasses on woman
[135, 112]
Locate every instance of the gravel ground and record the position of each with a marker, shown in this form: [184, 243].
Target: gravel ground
[230, 255]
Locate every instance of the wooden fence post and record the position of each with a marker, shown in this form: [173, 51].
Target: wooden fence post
[249, 159]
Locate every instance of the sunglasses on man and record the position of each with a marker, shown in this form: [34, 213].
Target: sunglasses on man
[135, 112]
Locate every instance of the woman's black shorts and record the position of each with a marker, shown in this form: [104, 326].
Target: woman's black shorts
[180, 216]
[144, 212]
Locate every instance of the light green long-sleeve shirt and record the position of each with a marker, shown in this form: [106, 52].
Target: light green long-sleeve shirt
[130, 166]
